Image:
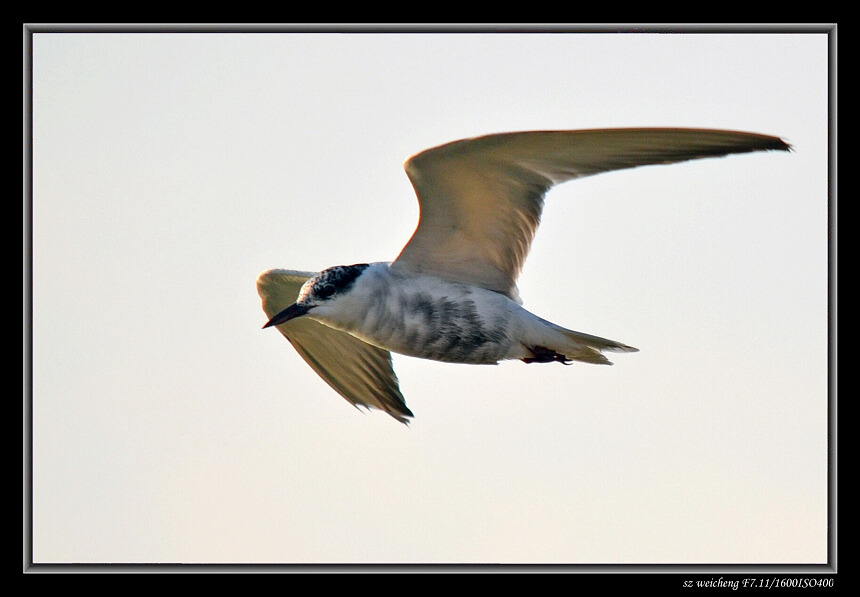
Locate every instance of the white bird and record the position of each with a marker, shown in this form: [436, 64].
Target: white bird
[451, 294]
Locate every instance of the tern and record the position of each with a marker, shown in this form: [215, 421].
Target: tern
[451, 294]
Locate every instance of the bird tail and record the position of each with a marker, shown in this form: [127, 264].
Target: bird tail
[588, 348]
[563, 345]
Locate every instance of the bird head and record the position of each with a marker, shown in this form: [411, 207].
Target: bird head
[319, 291]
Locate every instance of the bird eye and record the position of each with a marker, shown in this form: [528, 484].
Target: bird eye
[324, 291]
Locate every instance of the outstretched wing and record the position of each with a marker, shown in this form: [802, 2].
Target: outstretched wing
[481, 199]
[358, 371]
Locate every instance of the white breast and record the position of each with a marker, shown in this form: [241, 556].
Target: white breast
[426, 317]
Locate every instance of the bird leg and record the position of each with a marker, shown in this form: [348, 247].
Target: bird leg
[542, 354]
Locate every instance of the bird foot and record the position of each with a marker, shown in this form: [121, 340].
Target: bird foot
[542, 354]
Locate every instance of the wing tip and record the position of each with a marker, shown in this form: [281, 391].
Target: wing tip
[785, 146]
[397, 409]
[406, 419]
[399, 413]
[771, 143]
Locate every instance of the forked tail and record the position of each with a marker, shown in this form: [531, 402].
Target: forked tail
[566, 345]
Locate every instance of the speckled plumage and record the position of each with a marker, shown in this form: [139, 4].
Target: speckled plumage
[451, 294]
[421, 316]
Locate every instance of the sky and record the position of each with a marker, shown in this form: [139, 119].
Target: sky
[170, 169]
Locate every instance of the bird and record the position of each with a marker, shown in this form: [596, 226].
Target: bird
[451, 293]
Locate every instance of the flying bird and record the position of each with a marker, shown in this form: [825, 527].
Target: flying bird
[451, 294]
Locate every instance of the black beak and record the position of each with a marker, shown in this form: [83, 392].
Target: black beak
[291, 312]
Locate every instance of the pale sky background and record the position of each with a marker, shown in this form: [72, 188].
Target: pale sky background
[169, 170]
